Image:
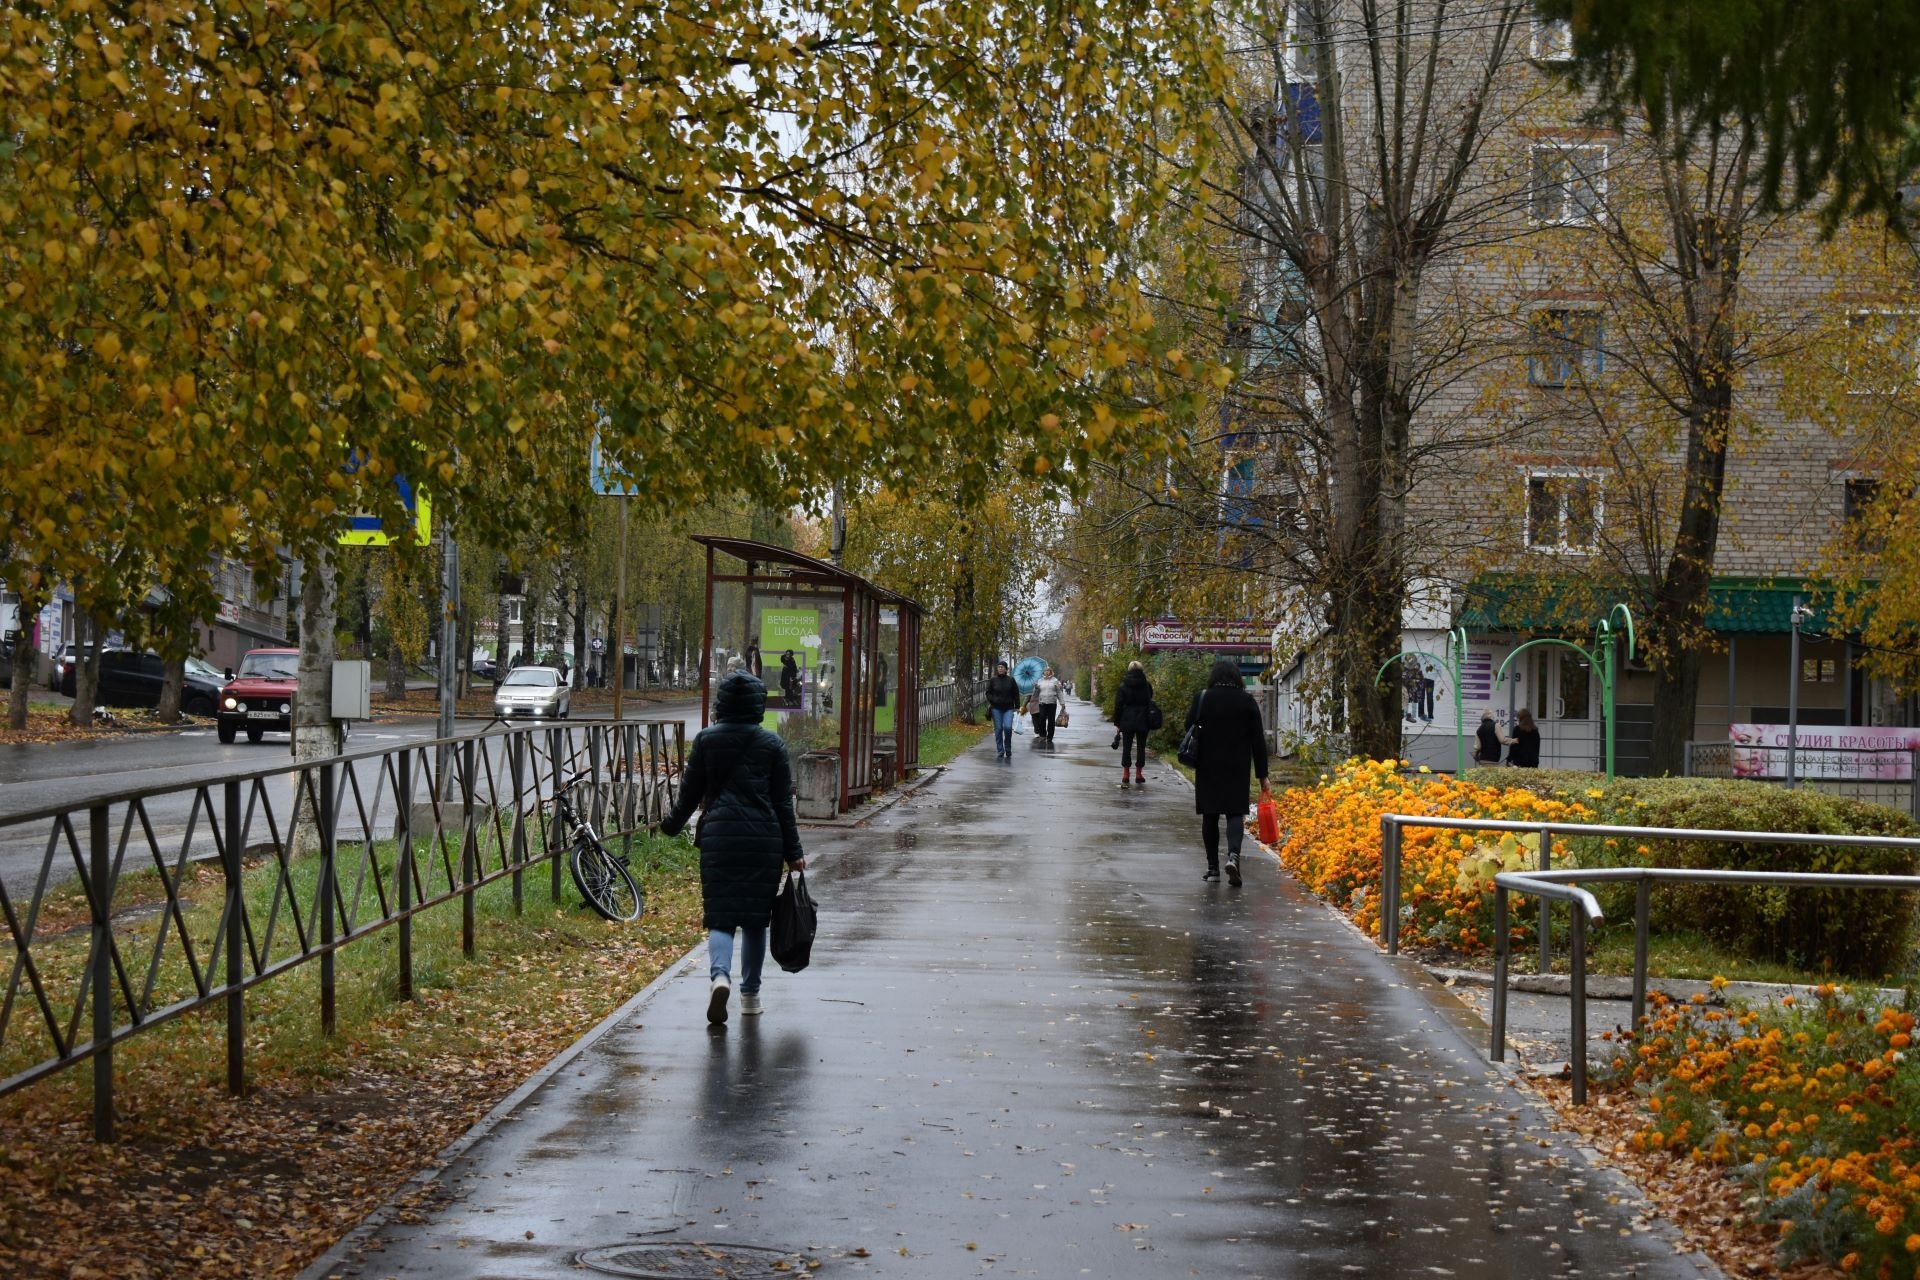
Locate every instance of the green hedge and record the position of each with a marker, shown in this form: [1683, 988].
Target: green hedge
[1846, 932]
[1176, 678]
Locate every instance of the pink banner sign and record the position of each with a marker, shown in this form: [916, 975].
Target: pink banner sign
[1854, 753]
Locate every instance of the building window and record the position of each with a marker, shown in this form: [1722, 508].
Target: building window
[1569, 183]
[1563, 511]
[1569, 346]
[514, 605]
[1861, 494]
[1552, 40]
[1883, 351]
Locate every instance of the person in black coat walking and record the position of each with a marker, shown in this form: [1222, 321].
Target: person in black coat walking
[747, 830]
[1233, 743]
[1133, 718]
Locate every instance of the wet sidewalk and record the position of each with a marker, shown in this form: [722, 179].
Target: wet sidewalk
[1033, 1042]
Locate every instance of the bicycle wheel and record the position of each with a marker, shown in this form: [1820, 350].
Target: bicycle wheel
[605, 882]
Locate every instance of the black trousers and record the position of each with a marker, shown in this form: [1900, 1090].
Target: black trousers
[1133, 747]
[1210, 832]
[1043, 720]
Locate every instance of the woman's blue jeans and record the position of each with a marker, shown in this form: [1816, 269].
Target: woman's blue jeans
[1003, 729]
[720, 956]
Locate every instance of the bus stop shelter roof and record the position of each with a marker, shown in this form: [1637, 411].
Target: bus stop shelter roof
[766, 553]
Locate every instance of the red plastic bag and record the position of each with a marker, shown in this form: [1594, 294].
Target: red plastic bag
[1267, 818]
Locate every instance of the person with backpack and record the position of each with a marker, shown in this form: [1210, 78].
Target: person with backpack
[739, 777]
[1003, 701]
[1134, 714]
[1231, 743]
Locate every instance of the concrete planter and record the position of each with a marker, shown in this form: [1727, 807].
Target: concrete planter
[816, 784]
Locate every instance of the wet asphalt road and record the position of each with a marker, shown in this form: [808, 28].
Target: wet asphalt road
[36, 776]
[1034, 1043]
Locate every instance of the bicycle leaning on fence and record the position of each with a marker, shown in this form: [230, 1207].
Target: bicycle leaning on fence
[604, 878]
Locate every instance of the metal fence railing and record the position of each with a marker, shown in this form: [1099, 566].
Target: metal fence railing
[1552, 886]
[106, 940]
[1878, 775]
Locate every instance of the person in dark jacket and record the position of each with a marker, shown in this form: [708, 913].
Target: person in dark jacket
[1525, 751]
[1003, 700]
[1133, 717]
[738, 775]
[1488, 739]
[789, 679]
[1232, 743]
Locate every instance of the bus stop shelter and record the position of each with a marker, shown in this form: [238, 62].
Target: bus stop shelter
[840, 657]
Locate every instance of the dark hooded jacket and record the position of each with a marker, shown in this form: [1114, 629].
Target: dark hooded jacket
[1003, 694]
[739, 772]
[1133, 703]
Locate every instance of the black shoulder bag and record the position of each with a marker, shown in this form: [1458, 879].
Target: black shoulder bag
[1190, 745]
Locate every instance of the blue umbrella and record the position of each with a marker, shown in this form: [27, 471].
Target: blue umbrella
[1026, 673]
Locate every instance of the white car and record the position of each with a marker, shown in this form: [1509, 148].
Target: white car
[538, 692]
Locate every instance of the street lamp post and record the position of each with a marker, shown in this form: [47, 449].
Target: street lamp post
[1800, 614]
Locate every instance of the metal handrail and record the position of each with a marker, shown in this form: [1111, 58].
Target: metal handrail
[1552, 886]
[1392, 825]
[1561, 886]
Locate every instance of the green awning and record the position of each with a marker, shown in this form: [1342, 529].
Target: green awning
[1525, 605]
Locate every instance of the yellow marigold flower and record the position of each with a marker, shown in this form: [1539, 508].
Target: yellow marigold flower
[1595, 793]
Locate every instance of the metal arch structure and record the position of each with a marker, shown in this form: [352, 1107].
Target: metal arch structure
[1454, 661]
[1603, 658]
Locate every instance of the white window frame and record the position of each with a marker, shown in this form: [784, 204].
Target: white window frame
[1544, 364]
[1585, 162]
[1552, 40]
[1560, 545]
[1857, 318]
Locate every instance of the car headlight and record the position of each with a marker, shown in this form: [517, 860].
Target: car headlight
[286, 708]
[232, 705]
[239, 706]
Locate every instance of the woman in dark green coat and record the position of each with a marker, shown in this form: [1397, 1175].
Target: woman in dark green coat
[739, 777]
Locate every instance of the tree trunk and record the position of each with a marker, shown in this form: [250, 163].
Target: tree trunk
[396, 666]
[463, 648]
[86, 668]
[315, 734]
[168, 711]
[579, 632]
[502, 621]
[24, 654]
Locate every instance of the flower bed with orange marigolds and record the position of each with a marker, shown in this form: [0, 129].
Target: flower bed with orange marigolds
[1817, 1103]
[1331, 841]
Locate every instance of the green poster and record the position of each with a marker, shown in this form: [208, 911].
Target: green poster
[783, 630]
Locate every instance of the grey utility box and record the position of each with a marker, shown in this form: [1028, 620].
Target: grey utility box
[352, 690]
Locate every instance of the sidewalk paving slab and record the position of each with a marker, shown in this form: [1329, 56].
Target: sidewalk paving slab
[1033, 1042]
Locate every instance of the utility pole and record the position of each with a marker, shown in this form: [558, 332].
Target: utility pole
[619, 642]
[449, 672]
[838, 546]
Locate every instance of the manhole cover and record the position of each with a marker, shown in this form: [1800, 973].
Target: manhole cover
[691, 1260]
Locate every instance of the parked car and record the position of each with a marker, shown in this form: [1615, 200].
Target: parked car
[132, 679]
[533, 691]
[260, 696]
[486, 669]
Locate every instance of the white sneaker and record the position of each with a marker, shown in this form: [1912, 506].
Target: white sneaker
[749, 1006]
[717, 1000]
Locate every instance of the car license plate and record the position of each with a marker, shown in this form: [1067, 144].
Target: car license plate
[263, 715]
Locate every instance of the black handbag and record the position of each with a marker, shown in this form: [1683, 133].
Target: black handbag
[1189, 754]
[1155, 717]
[794, 921]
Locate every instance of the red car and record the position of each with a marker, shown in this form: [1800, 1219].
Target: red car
[260, 697]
